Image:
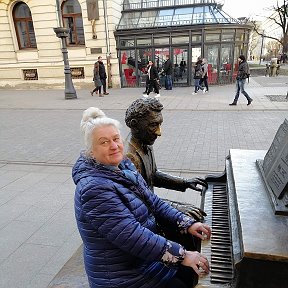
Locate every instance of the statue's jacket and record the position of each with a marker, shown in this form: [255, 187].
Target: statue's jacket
[143, 158]
[116, 218]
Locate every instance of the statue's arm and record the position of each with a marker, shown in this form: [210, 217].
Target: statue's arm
[168, 181]
[165, 180]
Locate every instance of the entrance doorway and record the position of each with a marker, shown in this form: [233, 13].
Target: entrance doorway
[180, 60]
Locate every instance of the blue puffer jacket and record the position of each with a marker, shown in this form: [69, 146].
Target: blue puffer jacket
[121, 248]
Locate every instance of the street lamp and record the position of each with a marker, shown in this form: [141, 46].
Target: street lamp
[62, 33]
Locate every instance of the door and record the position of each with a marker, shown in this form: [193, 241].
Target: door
[180, 60]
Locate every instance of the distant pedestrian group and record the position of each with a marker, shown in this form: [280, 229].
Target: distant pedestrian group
[200, 75]
[99, 78]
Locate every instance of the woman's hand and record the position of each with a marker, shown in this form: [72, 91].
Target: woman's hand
[197, 261]
[200, 230]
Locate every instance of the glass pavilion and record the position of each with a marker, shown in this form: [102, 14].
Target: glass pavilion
[184, 29]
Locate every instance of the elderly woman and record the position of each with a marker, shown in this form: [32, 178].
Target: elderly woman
[116, 216]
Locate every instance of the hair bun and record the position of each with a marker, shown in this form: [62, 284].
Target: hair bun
[90, 114]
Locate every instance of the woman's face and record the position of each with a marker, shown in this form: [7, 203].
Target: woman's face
[107, 145]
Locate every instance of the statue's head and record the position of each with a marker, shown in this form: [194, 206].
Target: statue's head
[144, 118]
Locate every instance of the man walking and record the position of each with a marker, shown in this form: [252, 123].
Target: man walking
[168, 72]
[242, 75]
[102, 74]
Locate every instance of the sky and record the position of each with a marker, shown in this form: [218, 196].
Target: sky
[248, 8]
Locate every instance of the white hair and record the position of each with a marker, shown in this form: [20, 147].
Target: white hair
[93, 118]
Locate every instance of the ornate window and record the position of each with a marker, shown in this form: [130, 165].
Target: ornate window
[24, 26]
[72, 18]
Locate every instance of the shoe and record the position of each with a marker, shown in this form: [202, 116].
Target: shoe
[204, 91]
[91, 93]
[157, 96]
[101, 95]
[233, 104]
[145, 95]
[106, 93]
[249, 102]
[194, 93]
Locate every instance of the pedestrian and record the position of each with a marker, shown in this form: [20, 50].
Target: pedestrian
[204, 78]
[116, 216]
[103, 75]
[198, 73]
[182, 67]
[153, 78]
[97, 80]
[145, 72]
[242, 75]
[168, 69]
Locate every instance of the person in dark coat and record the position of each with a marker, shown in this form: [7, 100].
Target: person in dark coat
[242, 75]
[153, 78]
[198, 73]
[116, 215]
[97, 80]
[168, 70]
[103, 75]
[204, 78]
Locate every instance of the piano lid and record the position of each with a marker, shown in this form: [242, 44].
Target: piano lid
[264, 235]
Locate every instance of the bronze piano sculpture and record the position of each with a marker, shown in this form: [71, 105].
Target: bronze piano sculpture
[247, 210]
[249, 242]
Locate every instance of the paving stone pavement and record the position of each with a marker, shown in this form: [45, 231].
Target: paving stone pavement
[40, 141]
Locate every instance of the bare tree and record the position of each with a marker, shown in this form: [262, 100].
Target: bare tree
[280, 18]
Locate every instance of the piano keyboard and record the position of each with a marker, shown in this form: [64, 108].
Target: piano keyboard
[218, 249]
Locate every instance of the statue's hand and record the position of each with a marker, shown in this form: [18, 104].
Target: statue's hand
[193, 182]
[197, 213]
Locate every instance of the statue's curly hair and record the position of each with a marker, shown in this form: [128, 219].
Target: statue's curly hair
[140, 108]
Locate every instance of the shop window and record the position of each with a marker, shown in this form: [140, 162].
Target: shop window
[24, 26]
[196, 38]
[161, 40]
[180, 39]
[126, 42]
[212, 37]
[228, 35]
[72, 18]
[144, 42]
[240, 35]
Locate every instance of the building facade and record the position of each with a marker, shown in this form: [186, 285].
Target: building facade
[183, 29]
[30, 52]
[125, 33]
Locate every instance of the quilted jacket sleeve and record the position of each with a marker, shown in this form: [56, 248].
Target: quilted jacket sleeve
[106, 212]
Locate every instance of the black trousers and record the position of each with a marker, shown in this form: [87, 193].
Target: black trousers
[205, 80]
[104, 85]
[153, 84]
[184, 278]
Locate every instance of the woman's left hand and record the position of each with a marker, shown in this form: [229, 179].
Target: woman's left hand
[200, 230]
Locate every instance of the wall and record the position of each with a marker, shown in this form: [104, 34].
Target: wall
[47, 58]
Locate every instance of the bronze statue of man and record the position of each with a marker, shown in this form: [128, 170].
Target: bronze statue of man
[144, 118]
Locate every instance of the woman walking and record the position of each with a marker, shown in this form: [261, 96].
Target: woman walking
[198, 73]
[97, 81]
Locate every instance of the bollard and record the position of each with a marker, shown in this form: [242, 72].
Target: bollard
[274, 66]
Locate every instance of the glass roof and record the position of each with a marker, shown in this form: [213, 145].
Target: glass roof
[139, 14]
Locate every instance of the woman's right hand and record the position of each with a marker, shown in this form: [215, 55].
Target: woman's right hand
[197, 261]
